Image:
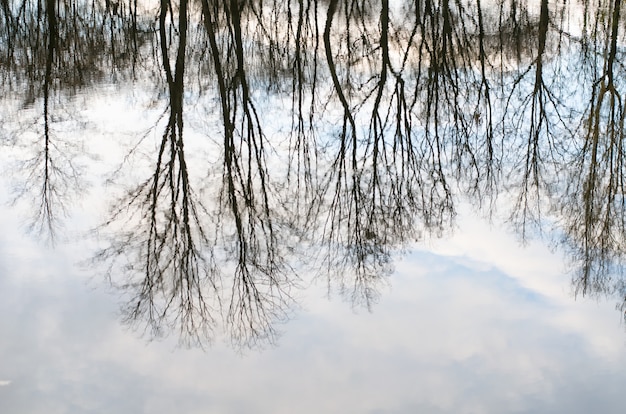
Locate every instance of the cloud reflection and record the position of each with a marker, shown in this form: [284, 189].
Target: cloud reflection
[452, 334]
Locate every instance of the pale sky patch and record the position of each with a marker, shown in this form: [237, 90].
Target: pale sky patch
[4, 383]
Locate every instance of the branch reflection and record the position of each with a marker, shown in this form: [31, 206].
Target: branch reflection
[345, 130]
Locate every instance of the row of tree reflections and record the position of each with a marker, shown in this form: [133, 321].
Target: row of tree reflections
[389, 111]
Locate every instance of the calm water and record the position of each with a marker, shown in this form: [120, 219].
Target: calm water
[312, 206]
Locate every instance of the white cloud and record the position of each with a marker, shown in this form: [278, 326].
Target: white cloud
[4, 383]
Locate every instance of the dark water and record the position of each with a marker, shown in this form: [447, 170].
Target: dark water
[386, 206]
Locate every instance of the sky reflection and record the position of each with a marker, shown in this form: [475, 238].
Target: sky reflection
[470, 324]
[350, 132]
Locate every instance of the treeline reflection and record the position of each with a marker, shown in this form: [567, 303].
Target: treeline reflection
[347, 130]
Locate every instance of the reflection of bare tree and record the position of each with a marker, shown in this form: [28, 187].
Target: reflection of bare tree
[260, 283]
[171, 273]
[51, 177]
[446, 88]
[535, 109]
[594, 206]
[177, 270]
[392, 182]
[303, 148]
[254, 234]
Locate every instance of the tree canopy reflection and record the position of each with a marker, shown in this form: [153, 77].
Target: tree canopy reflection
[347, 130]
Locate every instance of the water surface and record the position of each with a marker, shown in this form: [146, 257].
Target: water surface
[312, 206]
